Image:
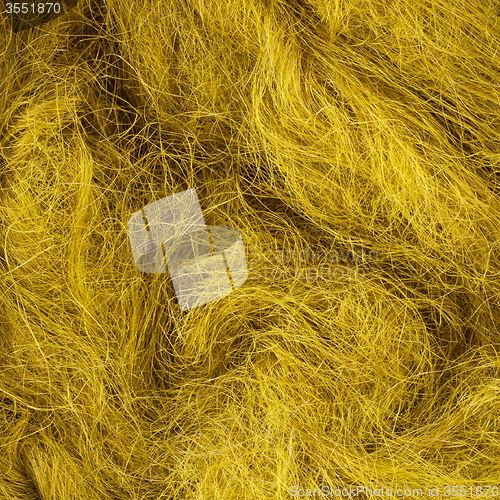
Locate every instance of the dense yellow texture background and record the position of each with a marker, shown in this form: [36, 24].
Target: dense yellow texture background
[347, 125]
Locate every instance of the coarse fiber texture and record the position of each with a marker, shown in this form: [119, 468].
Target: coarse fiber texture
[355, 145]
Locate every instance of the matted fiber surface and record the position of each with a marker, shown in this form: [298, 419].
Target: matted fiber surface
[355, 146]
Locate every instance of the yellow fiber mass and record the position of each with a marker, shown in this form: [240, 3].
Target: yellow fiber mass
[355, 145]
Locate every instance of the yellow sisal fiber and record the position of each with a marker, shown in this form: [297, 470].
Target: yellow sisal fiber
[355, 145]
